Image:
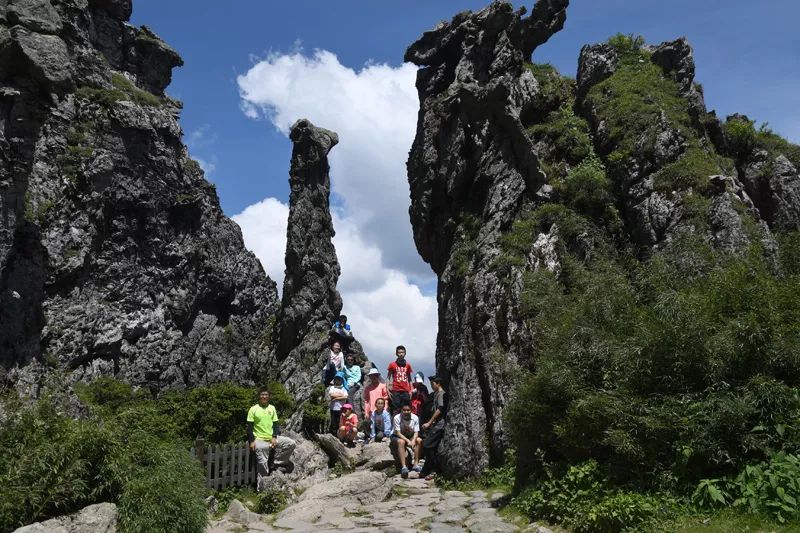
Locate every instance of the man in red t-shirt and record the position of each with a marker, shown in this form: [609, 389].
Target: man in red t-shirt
[400, 373]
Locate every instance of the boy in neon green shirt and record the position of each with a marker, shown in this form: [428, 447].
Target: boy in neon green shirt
[264, 434]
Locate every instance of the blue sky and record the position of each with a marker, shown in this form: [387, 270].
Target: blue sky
[254, 67]
[748, 57]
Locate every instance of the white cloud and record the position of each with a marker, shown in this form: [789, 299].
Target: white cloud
[383, 306]
[264, 230]
[374, 111]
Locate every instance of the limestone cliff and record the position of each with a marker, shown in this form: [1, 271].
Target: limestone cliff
[115, 257]
[517, 169]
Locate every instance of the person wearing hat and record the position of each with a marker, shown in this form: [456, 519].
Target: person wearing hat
[337, 396]
[434, 429]
[375, 389]
[348, 425]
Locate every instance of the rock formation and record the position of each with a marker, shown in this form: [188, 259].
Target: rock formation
[516, 169]
[115, 257]
[471, 169]
[310, 299]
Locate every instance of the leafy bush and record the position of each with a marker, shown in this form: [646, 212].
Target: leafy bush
[627, 44]
[123, 90]
[583, 500]
[162, 488]
[52, 465]
[685, 365]
[771, 487]
[740, 134]
[315, 411]
[271, 501]
[555, 91]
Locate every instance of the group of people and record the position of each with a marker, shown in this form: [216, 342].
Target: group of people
[402, 412]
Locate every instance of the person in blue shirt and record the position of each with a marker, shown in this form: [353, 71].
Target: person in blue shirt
[341, 332]
[380, 422]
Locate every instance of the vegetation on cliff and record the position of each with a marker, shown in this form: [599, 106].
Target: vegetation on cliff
[663, 380]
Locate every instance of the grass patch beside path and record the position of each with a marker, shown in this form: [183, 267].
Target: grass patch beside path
[727, 521]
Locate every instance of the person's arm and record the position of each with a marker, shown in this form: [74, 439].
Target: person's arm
[387, 424]
[250, 437]
[372, 427]
[339, 395]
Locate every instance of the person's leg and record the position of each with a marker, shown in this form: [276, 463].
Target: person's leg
[401, 452]
[417, 453]
[335, 417]
[341, 434]
[284, 449]
[262, 463]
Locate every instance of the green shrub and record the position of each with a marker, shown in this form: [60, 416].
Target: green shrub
[587, 189]
[627, 44]
[740, 134]
[691, 170]
[583, 500]
[52, 465]
[315, 411]
[566, 134]
[771, 487]
[162, 489]
[271, 501]
[687, 366]
[555, 90]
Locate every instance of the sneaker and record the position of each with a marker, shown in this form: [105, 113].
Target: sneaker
[404, 473]
[417, 468]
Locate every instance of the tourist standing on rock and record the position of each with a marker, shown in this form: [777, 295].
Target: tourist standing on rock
[434, 429]
[374, 391]
[400, 373]
[264, 435]
[380, 426]
[335, 363]
[406, 437]
[348, 425]
[352, 376]
[337, 396]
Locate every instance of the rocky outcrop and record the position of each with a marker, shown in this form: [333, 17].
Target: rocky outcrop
[115, 257]
[471, 168]
[498, 147]
[97, 518]
[310, 299]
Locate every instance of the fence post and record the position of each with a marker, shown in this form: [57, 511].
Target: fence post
[200, 448]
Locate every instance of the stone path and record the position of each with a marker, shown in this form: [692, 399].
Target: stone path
[414, 505]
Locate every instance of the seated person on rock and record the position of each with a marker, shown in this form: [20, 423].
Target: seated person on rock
[348, 425]
[337, 396]
[340, 331]
[263, 433]
[434, 429]
[380, 426]
[400, 373]
[335, 363]
[406, 437]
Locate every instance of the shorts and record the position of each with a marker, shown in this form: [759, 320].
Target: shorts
[397, 399]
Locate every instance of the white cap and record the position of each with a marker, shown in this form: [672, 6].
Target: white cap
[373, 371]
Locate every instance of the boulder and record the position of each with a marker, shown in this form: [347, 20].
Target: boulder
[375, 456]
[97, 518]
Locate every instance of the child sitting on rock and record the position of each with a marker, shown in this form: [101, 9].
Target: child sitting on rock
[348, 425]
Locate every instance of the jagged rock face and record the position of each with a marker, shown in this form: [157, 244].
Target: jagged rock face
[471, 168]
[116, 258]
[310, 300]
[497, 147]
[654, 211]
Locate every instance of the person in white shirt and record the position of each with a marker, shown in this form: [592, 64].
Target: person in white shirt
[405, 437]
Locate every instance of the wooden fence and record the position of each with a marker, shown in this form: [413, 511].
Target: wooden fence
[226, 465]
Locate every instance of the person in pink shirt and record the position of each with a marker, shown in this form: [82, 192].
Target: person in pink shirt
[375, 389]
[348, 425]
